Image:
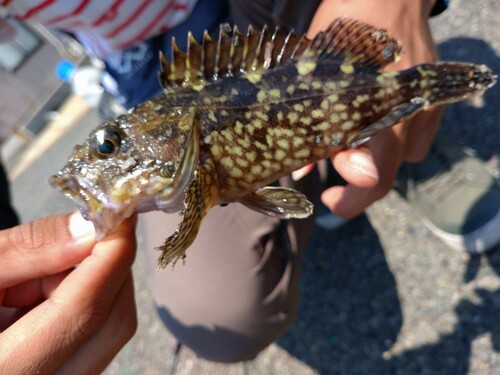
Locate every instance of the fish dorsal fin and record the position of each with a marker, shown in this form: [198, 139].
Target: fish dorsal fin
[353, 42]
[345, 41]
[233, 54]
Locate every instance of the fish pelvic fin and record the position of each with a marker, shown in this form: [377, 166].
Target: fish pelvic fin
[199, 198]
[280, 202]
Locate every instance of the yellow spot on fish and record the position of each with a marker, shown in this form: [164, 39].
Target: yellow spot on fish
[305, 67]
[266, 164]
[261, 146]
[198, 87]
[269, 140]
[216, 151]
[238, 128]
[257, 123]
[250, 128]
[306, 120]
[261, 96]
[224, 112]
[262, 115]
[344, 84]
[330, 85]
[207, 139]
[242, 162]
[238, 150]
[290, 89]
[234, 91]
[325, 104]
[298, 107]
[334, 118]
[227, 162]
[303, 86]
[279, 154]
[211, 116]
[254, 77]
[347, 68]
[292, 117]
[256, 169]
[316, 85]
[356, 116]
[251, 156]
[339, 107]
[275, 93]
[279, 116]
[333, 98]
[347, 125]
[244, 142]
[307, 102]
[236, 172]
[228, 135]
[283, 143]
[297, 141]
[317, 113]
[322, 126]
[303, 153]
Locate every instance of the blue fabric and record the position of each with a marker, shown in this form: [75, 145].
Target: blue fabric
[137, 73]
[440, 7]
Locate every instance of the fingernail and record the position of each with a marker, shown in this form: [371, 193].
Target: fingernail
[298, 174]
[363, 164]
[80, 228]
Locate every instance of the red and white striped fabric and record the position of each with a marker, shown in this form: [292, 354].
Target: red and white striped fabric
[104, 26]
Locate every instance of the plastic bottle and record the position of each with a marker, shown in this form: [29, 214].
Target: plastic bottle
[85, 80]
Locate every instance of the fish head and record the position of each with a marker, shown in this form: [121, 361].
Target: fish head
[136, 163]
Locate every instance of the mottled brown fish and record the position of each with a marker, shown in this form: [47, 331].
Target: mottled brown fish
[239, 113]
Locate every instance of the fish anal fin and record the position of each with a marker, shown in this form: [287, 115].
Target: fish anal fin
[398, 114]
[199, 198]
[353, 42]
[280, 202]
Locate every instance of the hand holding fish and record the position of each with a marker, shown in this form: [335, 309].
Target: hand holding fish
[370, 169]
[57, 317]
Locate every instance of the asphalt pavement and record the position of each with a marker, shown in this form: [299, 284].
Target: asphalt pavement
[381, 295]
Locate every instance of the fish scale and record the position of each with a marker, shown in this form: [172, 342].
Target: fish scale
[241, 112]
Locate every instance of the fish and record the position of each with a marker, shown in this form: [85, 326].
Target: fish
[239, 112]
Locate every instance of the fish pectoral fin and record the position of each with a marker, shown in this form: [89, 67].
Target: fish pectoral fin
[198, 200]
[399, 113]
[284, 203]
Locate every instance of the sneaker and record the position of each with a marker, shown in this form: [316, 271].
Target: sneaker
[457, 197]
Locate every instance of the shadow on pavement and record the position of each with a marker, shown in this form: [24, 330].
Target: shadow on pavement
[350, 312]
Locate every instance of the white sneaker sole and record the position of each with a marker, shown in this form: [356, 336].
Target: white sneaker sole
[480, 241]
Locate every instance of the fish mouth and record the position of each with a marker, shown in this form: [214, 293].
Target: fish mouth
[104, 217]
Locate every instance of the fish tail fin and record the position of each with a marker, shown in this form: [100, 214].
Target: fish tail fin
[449, 82]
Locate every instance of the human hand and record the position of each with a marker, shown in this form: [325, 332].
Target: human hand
[371, 169]
[55, 318]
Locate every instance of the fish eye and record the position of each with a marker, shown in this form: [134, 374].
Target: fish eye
[105, 142]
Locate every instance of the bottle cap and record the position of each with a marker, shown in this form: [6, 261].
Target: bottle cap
[65, 69]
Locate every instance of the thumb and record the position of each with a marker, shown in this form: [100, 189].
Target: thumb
[44, 247]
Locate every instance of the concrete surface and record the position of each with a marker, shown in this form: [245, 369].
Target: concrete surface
[381, 295]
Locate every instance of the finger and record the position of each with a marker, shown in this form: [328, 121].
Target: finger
[302, 172]
[77, 309]
[357, 167]
[351, 200]
[103, 346]
[43, 247]
[34, 291]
